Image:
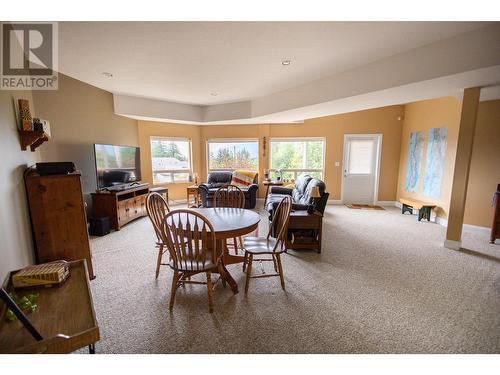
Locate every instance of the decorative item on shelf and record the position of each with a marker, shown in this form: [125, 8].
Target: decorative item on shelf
[196, 178]
[42, 126]
[46, 274]
[279, 174]
[314, 195]
[266, 174]
[25, 115]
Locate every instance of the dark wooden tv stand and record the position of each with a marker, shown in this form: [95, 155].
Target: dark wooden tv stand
[121, 206]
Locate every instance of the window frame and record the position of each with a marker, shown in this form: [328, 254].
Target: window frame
[173, 171]
[296, 171]
[229, 140]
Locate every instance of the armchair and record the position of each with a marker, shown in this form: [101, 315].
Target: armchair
[301, 195]
[216, 180]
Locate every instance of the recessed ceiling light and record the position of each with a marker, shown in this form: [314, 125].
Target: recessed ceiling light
[214, 93]
[107, 74]
[286, 62]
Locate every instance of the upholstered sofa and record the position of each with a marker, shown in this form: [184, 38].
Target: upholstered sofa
[216, 180]
[300, 194]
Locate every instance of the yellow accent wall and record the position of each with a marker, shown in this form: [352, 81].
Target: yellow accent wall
[422, 116]
[485, 165]
[332, 128]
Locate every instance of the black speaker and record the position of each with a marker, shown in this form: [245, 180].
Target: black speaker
[99, 226]
[62, 167]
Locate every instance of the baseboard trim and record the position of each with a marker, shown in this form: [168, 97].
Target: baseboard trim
[386, 203]
[442, 221]
[453, 245]
[334, 201]
[476, 229]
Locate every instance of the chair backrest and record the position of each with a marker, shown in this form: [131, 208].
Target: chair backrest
[157, 208]
[229, 196]
[190, 239]
[280, 222]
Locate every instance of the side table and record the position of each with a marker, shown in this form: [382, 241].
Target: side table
[193, 196]
[304, 231]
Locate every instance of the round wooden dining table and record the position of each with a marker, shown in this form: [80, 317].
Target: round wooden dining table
[229, 223]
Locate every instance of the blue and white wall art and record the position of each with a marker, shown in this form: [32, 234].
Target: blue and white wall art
[415, 153]
[434, 162]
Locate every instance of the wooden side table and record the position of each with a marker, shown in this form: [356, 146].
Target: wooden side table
[304, 231]
[162, 190]
[193, 196]
[64, 317]
[267, 184]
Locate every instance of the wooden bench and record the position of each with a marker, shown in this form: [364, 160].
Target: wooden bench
[424, 209]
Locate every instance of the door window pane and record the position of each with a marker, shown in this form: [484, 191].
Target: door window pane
[361, 156]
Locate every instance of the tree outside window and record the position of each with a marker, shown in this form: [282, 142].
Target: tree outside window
[233, 154]
[171, 160]
[297, 157]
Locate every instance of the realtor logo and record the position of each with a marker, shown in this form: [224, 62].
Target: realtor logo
[29, 56]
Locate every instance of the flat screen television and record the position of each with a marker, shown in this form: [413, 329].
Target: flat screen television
[117, 165]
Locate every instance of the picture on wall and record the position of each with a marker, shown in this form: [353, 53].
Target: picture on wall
[415, 153]
[434, 162]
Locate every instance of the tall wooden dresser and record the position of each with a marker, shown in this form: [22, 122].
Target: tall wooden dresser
[58, 218]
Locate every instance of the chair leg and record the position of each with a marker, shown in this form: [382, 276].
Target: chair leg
[175, 281]
[245, 260]
[158, 262]
[210, 290]
[249, 272]
[235, 245]
[280, 271]
[240, 239]
[274, 263]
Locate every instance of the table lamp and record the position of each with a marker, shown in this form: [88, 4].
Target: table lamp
[314, 195]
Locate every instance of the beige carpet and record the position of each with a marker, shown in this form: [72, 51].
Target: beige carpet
[383, 284]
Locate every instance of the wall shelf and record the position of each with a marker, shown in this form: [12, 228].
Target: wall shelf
[32, 138]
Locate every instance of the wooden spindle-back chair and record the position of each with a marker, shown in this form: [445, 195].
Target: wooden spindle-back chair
[269, 245]
[230, 196]
[190, 240]
[157, 208]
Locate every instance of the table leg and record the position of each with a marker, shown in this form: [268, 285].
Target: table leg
[224, 271]
[92, 349]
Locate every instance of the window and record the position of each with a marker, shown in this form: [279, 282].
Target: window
[361, 156]
[171, 160]
[296, 157]
[230, 154]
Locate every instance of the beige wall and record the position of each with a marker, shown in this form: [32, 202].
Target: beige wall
[485, 165]
[424, 115]
[380, 121]
[16, 248]
[81, 115]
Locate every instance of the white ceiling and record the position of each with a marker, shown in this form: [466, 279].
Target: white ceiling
[187, 61]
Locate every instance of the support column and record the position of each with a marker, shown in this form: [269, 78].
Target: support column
[465, 142]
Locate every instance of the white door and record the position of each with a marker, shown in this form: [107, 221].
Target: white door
[360, 174]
